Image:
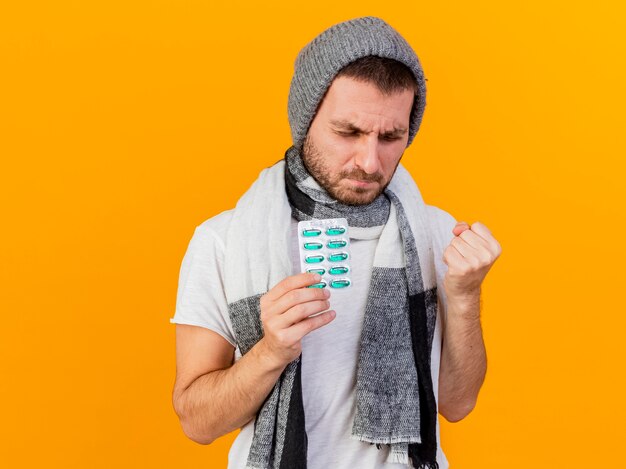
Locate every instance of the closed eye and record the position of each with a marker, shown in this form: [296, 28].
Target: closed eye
[354, 134]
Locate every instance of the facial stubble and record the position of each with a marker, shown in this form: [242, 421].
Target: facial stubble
[354, 195]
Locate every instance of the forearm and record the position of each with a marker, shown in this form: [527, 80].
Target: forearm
[223, 400]
[463, 359]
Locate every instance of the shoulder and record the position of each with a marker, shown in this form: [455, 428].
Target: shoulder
[439, 218]
[441, 224]
[215, 228]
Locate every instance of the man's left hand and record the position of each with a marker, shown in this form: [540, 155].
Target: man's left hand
[469, 256]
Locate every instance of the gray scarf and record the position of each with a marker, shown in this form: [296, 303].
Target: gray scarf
[395, 404]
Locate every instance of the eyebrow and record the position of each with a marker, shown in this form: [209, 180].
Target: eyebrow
[347, 125]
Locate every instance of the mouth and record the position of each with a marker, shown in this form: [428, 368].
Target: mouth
[360, 183]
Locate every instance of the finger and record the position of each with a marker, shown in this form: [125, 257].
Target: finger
[474, 240]
[464, 249]
[290, 283]
[300, 312]
[295, 297]
[310, 324]
[460, 227]
[484, 232]
[453, 257]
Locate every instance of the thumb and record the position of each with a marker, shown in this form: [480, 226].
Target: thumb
[460, 227]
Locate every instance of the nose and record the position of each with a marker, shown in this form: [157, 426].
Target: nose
[367, 156]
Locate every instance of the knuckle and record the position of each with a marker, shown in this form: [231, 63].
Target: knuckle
[293, 296]
[281, 338]
[321, 319]
[303, 294]
[268, 325]
[300, 309]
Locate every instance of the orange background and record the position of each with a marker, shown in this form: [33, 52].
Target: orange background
[123, 125]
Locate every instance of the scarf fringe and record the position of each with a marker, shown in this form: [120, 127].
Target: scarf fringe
[400, 455]
[386, 440]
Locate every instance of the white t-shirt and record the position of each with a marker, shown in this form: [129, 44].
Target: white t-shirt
[329, 354]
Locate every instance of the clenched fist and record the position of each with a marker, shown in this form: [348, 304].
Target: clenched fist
[469, 256]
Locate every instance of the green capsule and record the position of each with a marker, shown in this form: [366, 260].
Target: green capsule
[311, 232]
[313, 246]
[336, 243]
[316, 271]
[321, 284]
[313, 259]
[338, 270]
[335, 230]
[338, 257]
[341, 283]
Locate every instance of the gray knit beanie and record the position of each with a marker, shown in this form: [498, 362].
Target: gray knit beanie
[321, 59]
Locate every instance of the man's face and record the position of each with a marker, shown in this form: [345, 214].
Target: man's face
[356, 140]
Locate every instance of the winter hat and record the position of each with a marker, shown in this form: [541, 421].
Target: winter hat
[321, 59]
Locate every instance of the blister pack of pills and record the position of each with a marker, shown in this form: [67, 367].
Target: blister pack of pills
[324, 246]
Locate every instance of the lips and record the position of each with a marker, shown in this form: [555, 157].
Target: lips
[362, 183]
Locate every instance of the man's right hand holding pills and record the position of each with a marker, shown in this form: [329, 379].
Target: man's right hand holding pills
[285, 311]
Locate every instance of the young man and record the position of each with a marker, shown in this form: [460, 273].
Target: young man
[324, 377]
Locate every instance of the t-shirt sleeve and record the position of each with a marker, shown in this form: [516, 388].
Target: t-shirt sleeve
[442, 224]
[200, 300]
